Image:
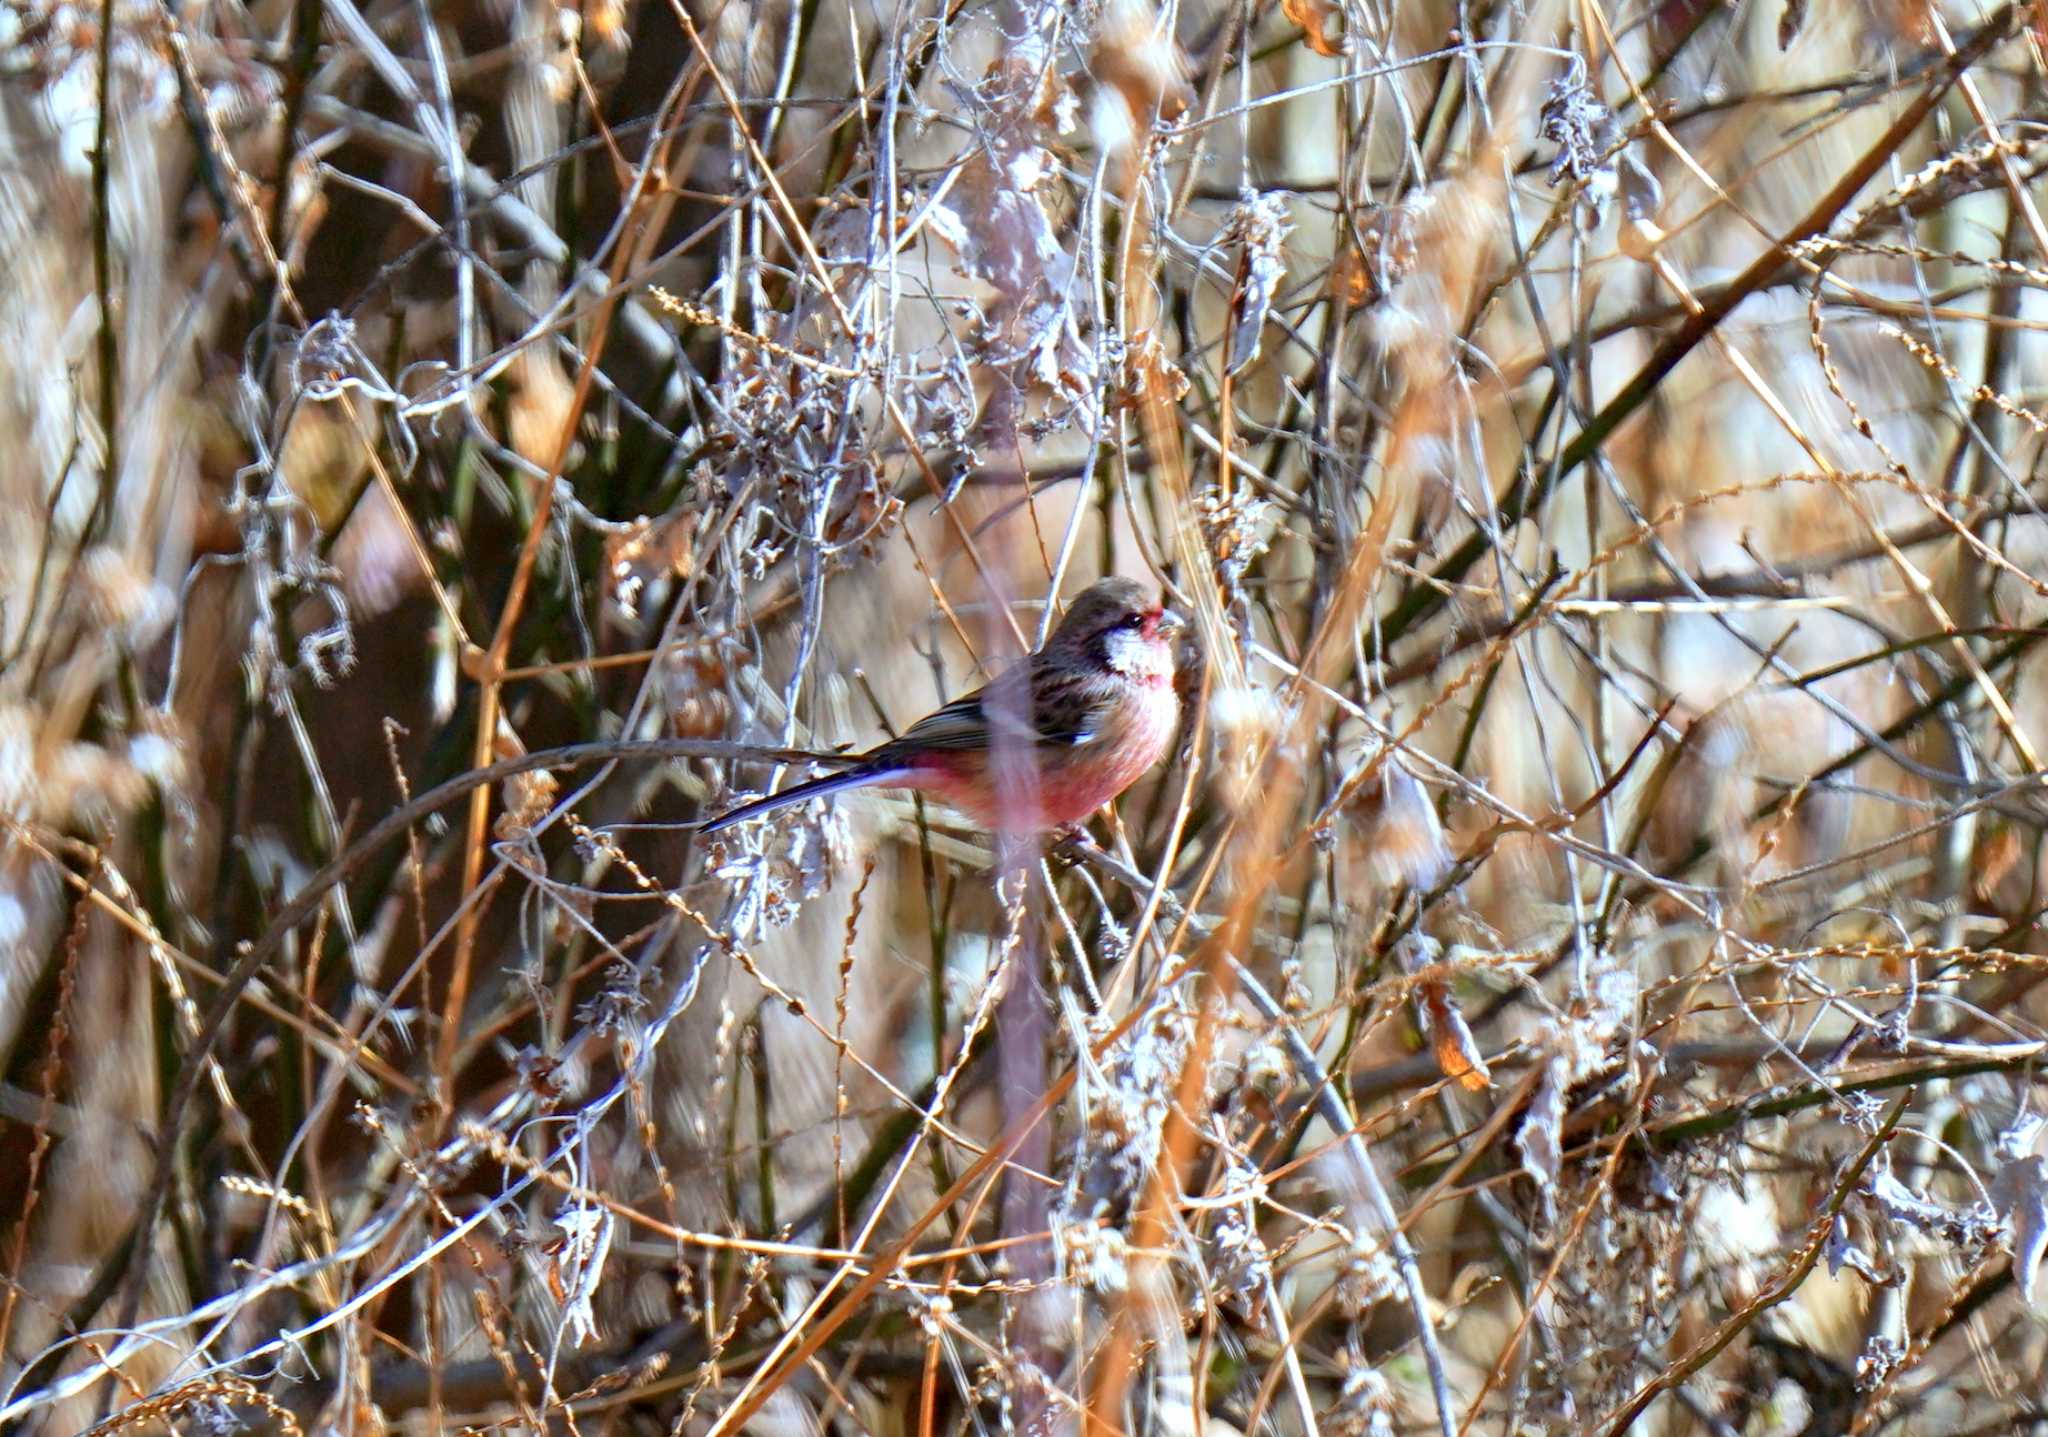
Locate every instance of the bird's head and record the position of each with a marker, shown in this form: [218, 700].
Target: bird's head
[1119, 624]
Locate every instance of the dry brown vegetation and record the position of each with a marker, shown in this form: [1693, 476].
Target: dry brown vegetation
[1577, 974]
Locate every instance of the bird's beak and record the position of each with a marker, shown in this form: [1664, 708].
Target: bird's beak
[1169, 623]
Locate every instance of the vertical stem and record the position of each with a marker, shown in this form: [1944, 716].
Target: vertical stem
[103, 280]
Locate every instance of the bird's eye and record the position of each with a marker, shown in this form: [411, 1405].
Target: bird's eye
[1132, 621]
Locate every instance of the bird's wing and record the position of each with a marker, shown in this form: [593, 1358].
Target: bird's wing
[1060, 717]
[960, 725]
[1068, 712]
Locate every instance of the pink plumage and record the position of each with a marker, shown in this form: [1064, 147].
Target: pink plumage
[1048, 742]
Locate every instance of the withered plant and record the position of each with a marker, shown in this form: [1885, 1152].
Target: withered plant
[1577, 972]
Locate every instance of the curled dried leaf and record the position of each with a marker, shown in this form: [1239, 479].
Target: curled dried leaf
[1540, 1139]
[576, 1268]
[1259, 223]
[1136, 54]
[1150, 372]
[1450, 1040]
[1998, 853]
[1316, 19]
[1385, 255]
[541, 403]
[644, 555]
[527, 798]
[1791, 20]
[2020, 1191]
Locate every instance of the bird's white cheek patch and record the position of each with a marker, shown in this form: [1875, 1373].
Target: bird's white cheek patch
[1135, 655]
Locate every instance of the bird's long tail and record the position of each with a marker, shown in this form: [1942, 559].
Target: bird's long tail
[866, 776]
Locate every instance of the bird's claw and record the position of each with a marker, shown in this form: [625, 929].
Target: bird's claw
[1072, 835]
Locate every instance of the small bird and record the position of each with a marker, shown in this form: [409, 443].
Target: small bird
[1084, 717]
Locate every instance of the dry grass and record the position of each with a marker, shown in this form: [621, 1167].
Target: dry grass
[1578, 973]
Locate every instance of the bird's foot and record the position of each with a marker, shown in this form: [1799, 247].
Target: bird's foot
[1073, 837]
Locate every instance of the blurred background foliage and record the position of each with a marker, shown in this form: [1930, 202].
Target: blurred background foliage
[1578, 972]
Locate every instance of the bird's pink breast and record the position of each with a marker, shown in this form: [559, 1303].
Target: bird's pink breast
[1070, 784]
